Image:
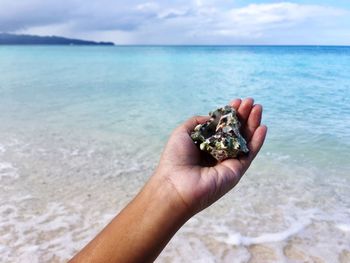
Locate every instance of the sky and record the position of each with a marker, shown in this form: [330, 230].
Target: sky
[206, 22]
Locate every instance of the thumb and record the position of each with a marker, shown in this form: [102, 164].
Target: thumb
[192, 122]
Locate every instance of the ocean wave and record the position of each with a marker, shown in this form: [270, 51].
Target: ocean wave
[54, 234]
[237, 239]
[7, 170]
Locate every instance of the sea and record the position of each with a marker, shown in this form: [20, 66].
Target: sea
[82, 129]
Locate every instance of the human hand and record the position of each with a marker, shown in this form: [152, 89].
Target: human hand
[186, 181]
[197, 178]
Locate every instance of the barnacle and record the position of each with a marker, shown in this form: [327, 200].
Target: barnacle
[220, 135]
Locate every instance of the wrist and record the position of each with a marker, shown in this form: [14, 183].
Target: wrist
[166, 198]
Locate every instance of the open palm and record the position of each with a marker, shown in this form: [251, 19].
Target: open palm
[197, 178]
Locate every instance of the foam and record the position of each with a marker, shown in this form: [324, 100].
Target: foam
[238, 239]
[5, 166]
[278, 156]
[295, 224]
[7, 170]
[42, 237]
[2, 149]
[343, 227]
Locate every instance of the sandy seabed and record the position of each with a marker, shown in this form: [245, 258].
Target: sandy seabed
[58, 193]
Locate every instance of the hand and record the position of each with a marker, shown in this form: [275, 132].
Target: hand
[195, 176]
[185, 182]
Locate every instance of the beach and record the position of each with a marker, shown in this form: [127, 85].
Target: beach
[82, 129]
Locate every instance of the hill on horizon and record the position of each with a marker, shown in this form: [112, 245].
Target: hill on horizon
[15, 39]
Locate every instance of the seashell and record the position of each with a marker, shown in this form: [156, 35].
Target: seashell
[220, 136]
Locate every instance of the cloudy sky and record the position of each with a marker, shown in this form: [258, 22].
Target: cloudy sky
[183, 21]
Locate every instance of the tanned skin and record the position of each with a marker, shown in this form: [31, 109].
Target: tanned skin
[185, 182]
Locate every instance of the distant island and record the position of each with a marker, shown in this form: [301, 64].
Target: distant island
[14, 39]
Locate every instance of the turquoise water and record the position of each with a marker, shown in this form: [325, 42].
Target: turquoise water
[305, 91]
[78, 117]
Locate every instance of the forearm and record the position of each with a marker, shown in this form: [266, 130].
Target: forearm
[142, 229]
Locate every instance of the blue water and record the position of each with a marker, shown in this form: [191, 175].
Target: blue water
[81, 129]
[305, 92]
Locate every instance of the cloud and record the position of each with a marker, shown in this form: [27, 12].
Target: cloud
[103, 14]
[256, 19]
[16, 15]
[93, 15]
[174, 22]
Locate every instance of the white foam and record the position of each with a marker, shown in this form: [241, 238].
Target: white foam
[30, 228]
[75, 152]
[343, 227]
[57, 232]
[4, 166]
[278, 156]
[90, 153]
[7, 170]
[223, 232]
[2, 148]
[238, 239]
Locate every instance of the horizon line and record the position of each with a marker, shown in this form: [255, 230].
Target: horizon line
[240, 45]
[193, 45]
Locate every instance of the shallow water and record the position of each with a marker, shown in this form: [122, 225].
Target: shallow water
[82, 129]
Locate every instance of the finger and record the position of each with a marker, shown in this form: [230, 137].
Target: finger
[235, 103]
[192, 122]
[253, 121]
[244, 109]
[254, 146]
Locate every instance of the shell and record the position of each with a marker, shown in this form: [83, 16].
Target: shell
[220, 135]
